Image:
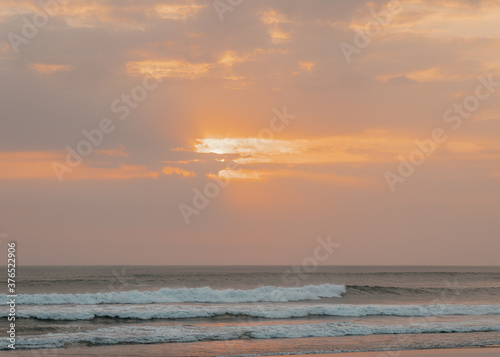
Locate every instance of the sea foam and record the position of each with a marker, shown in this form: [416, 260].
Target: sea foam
[260, 310]
[140, 334]
[205, 295]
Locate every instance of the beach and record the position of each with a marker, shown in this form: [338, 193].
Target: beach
[456, 352]
[163, 350]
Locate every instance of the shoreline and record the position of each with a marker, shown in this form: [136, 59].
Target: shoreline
[163, 350]
[480, 351]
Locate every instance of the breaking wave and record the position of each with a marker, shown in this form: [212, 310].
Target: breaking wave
[266, 311]
[202, 295]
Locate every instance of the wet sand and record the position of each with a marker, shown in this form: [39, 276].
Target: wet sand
[455, 352]
[162, 350]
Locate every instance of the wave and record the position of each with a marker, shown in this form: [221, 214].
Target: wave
[202, 295]
[139, 334]
[261, 294]
[408, 291]
[266, 311]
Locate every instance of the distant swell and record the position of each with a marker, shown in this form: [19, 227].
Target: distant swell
[407, 291]
[266, 311]
[205, 295]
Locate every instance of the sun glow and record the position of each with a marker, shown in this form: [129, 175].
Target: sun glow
[354, 149]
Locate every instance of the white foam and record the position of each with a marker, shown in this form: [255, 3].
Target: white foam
[205, 294]
[267, 311]
[140, 334]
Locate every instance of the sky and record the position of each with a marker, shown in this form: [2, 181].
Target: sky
[247, 132]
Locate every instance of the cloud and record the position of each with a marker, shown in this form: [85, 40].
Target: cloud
[39, 165]
[169, 170]
[162, 69]
[49, 68]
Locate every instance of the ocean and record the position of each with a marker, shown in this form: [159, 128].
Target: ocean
[249, 310]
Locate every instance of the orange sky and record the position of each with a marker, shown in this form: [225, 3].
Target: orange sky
[174, 132]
